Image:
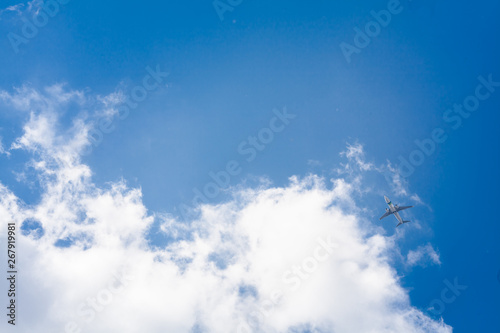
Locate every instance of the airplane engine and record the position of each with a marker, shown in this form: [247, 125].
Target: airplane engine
[387, 210]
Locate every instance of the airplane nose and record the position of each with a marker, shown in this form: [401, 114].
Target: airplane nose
[386, 199]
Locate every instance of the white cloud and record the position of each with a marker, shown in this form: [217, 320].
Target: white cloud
[2, 148]
[355, 154]
[22, 98]
[33, 6]
[220, 272]
[13, 9]
[422, 256]
[313, 163]
[42, 134]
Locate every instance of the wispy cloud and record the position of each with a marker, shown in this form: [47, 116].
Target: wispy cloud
[21, 8]
[45, 107]
[358, 165]
[14, 8]
[2, 148]
[422, 256]
[355, 153]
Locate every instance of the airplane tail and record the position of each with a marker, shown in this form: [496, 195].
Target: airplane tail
[402, 223]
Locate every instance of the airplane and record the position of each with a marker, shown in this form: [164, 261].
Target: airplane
[394, 209]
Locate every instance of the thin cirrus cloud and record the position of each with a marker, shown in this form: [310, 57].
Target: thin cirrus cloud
[271, 259]
[423, 255]
[20, 8]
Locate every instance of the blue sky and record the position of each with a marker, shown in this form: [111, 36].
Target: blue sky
[227, 79]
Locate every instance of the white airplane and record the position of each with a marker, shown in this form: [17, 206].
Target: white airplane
[394, 210]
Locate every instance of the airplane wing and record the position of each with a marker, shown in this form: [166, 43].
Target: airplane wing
[402, 208]
[385, 215]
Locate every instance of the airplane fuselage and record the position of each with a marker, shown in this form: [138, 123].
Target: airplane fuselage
[393, 209]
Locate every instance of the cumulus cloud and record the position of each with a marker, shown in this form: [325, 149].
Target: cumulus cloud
[423, 255]
[271, 259]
